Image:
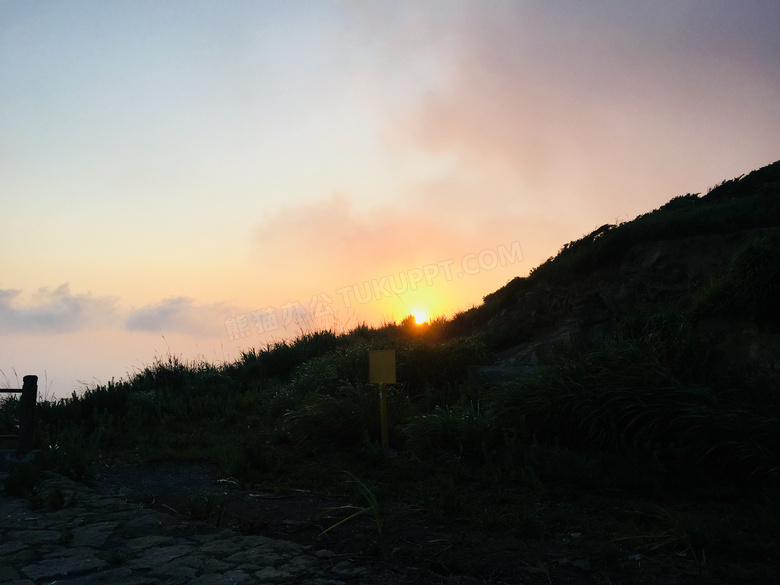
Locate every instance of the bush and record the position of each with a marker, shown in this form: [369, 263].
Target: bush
[751, 286]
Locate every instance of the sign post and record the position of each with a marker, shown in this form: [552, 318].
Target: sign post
[381, 370]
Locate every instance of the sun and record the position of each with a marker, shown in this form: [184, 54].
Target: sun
[420, 316]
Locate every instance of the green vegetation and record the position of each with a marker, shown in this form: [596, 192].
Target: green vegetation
[638, 418]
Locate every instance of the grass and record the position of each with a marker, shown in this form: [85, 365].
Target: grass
[372, 508]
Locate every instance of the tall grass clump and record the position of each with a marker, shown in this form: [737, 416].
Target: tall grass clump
[277, 361]
[339, 418]
[9, 415]
[635, 395]
[462, 431]
[751, 286]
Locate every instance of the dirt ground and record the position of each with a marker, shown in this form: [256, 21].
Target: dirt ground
[414, 547]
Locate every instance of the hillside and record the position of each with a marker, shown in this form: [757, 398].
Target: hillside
[693, 254]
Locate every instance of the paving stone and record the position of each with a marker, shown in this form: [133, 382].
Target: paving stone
[117, 555]
[188, 565]
[141, 523]
[223, 547]
[257, 540]
[347, 570]
[287, 547]
[108, 577]
[56, 549]
[11, 547]
[177, 570]
[249, 568]
[122, 515]
[298, 565]
[8, 574]
[20, 558]
[59, 518]
[94, 535]
[35, 536]
[64, 552]
[224, 534]
[226, 578]
[155, 557]
[257, 556]
[216, 566]
[143, 542]
[110, 503]
[271, 575]
[63, 566]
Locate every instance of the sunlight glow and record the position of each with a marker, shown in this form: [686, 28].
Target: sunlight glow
[420, 316]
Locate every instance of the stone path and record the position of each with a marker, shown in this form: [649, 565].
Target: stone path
[76, 536]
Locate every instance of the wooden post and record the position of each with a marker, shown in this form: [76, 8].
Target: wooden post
[27, 415]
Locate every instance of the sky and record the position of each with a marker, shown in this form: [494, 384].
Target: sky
[196, 178]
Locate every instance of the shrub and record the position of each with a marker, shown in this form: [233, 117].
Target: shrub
[751, 286]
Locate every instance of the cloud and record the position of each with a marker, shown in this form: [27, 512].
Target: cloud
[600, 103]
[60, 311]
[333, 237]
[55, 311]
[180, 315]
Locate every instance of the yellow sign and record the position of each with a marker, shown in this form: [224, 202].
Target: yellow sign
[381, 370]
[381, 366]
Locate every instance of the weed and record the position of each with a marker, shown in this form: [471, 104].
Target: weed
[71, 450]
[372, 508]
[204, 508]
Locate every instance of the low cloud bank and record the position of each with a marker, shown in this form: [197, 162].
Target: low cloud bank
[59, 311]
[179, 315]
[55, 311]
